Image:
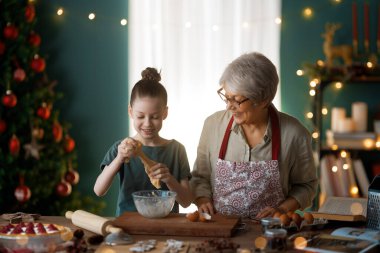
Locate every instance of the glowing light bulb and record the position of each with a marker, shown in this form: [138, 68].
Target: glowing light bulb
[91, 16]
[325, 111]
[309, 115]
[60, 11]
[338, 85]
[123, 22]
[300, 72]
[307, 12]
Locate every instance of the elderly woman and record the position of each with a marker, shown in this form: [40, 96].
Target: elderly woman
[253, 160]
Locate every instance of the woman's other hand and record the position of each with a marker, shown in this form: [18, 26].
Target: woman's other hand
[205, 205]
[267, 212]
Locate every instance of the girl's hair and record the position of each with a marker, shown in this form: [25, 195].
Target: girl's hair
[149, 86]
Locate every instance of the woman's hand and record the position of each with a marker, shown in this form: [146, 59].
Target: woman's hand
[267, 212]
[161, 171]
[126, 149]
[205, 205]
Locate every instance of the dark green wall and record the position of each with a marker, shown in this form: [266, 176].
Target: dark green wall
[301, 42]
[89, 61]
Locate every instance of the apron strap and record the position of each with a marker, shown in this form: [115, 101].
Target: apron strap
[223, 148]
[276, 140]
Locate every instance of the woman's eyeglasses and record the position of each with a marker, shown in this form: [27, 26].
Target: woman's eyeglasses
[231, 100]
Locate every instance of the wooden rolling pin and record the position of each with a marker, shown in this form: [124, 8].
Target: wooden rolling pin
[92, 222]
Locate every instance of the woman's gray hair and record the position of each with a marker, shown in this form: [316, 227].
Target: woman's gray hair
[251, 75]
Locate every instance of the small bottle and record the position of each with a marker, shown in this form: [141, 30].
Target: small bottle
[270, 223]
[276, 239]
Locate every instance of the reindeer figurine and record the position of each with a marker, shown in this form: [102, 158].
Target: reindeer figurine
[335, 51]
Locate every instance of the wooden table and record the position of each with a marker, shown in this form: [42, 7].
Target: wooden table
[245, 238]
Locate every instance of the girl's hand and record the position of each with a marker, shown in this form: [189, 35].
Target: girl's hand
[126, 149]
[161, 171]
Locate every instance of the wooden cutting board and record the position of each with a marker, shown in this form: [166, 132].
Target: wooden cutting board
[177, 224]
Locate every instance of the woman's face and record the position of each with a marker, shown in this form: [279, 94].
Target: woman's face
[147, 114]
[244, 111]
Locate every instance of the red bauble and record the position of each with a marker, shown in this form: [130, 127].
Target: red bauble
[72, 176]
[10, 32]
[30, 13]
[38, 64]
[22, 193]
[34, 39]
[14, 145]
[19, 75]
[2, 48]
[9, 99]
[44, 112]
[57, 131]
[3, 126]
[69, 144]
[63, 189]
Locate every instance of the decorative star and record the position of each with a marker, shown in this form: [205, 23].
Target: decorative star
[45, 82]
[33, 149]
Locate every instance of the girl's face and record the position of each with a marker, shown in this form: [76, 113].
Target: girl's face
[147, 114]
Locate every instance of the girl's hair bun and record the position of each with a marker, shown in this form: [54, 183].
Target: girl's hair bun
[151, 74]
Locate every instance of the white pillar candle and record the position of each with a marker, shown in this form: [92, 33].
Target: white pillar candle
[346, 125]
[337, 114]
[359, 112]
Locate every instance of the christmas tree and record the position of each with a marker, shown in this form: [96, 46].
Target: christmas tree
[38, 161]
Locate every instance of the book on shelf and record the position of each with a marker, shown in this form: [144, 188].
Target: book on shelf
[351, 140]
[343, 209]
[328, 243]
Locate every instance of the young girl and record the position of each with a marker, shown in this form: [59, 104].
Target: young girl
[147, 108]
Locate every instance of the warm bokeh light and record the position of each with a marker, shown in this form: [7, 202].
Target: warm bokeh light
[354, 191]
[307, 12]
[368, 143]
[343, 154]
[300, 72]
[325, 111]
[320, 63]
[338, 85]
[309, 115]
[91, 16]
[356, 208]
[312, 92]
[369, 65]
[334, 168]
[315, 135]
[60, 11]
[346, 166]
[334, 147]
[278, 20]
[123, 22]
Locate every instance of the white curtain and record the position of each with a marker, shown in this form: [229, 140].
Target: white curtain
[191, 42]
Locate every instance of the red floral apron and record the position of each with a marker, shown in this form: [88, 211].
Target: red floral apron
[245, 188]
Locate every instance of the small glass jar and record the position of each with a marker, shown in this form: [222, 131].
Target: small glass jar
[276, 239]
[270, 223]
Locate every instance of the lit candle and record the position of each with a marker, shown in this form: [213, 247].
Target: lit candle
[366, 27]
[355, 27]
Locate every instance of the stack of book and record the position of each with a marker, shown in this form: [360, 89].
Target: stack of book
[351, 140]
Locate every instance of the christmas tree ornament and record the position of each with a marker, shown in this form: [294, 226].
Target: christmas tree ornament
[30, 13]
[34, 39]
[2, 47]
[57, 131]
[32, 149]
[38, 64]
[69, 144]
[10, 32]
[14, 145]
[44, 111]
[22, 192]
[63, 188]
[38, 132]
[9, 99]
[19, 75]
[71, 176]
[3, 126]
